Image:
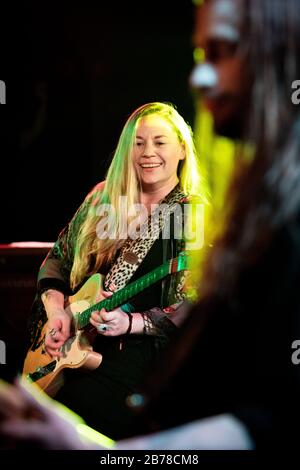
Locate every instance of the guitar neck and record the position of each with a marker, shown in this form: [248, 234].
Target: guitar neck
[128, 292]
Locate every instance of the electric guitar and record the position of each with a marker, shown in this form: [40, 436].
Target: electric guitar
[77, 350]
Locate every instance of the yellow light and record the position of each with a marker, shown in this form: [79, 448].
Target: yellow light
[217, 157]
[199, 55]
[91, 435]
[86, 433]
[197, 2]
[217, 161]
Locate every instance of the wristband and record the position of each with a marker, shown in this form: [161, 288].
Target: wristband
[130, 323]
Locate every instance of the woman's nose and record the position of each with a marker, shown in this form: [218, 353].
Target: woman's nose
[148, 150]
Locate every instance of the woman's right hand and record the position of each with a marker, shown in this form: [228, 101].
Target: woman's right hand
[58, 331]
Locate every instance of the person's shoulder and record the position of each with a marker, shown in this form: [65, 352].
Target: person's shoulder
[92, 198]
[98, 188]
[95, 192]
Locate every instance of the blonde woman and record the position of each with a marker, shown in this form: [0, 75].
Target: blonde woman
[128, 225]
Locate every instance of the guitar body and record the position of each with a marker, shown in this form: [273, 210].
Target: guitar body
[77, 351]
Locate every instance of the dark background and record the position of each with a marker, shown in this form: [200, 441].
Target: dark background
[74, 72]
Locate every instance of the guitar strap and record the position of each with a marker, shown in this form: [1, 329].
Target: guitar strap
[134, 251]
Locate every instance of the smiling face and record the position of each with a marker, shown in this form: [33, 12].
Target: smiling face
[156, 153]
[222, 80]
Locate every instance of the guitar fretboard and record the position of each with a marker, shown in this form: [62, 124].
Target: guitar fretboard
[128, 292]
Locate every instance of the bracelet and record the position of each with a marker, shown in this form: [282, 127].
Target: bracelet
[130, 323]
[148, 324]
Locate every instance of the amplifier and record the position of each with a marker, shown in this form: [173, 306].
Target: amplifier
[19, 265]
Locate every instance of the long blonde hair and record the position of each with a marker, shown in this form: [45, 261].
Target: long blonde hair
[91, 252]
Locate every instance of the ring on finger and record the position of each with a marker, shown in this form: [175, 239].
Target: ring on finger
[102, 327]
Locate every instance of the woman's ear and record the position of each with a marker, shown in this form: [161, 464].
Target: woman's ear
[182, 152]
